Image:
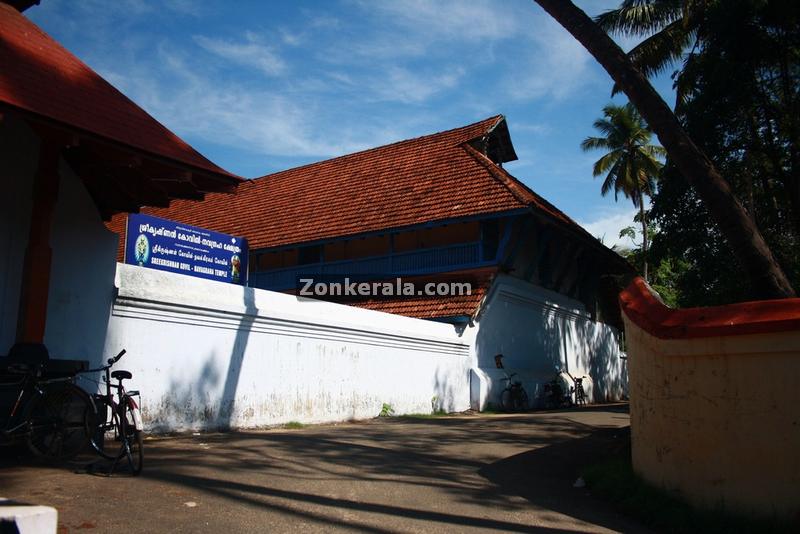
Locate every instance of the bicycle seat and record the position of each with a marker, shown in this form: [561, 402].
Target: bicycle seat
[121, 375]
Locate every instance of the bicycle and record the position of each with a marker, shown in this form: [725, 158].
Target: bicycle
[580, 393]
[117, 429]
[555, 395]
[513, 398]
[51, 414]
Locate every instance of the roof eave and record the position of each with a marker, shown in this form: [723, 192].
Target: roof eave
[21, 5]
[500, 147]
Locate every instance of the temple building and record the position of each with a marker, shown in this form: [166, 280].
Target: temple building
[437, 207]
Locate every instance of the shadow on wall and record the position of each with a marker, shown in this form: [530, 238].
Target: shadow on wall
[538, 340]
[198, 401]
[594, 349]
[228, 401]
[83, 262]
[82, 289]
[189, 401]
[444, 395]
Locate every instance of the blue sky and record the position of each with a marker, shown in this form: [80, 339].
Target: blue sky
[265, 86]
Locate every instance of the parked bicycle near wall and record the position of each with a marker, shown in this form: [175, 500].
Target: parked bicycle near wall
[577, 390]
[555, 394]
[117, 430]
[513, 398]
[47, 411]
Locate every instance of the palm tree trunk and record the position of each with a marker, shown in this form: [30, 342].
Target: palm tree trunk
[645, 244]
[766, 276]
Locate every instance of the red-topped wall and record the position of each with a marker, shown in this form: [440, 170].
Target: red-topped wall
[714, 413]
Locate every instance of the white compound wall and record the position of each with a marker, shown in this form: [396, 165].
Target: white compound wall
[206, 354]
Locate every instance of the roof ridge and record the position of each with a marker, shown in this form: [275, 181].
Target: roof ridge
[519, 189]
[511, 182]
[498, 118]
[507, 180]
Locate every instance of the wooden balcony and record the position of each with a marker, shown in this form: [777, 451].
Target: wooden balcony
[417, 262]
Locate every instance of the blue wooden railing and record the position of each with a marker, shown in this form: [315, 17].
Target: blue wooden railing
[423, 261]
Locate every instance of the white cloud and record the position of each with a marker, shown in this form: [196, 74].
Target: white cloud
[553, 66]
[291, 38]
[426, 28]
[402, 85]
[186, 7]
[608, 225]
[226, 113]
[531, 127]
[251, 52]
[473, 20]
[334, 84]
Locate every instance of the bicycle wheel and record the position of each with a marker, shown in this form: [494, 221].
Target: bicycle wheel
[106, 435]
[133, 438]
[521, 400]
[507, 400]
[59, 422]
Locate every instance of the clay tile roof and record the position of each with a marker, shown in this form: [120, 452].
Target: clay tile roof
[431, 178]
[438, 307]
[41, 77]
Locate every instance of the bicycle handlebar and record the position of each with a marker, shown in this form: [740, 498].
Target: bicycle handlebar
[111, 361]
[115, 359]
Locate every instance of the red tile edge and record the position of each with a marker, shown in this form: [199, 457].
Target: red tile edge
[641, 305]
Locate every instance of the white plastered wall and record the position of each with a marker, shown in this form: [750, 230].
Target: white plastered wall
[538, 332]
[208, 355]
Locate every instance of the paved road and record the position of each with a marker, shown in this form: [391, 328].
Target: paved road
[473, 473]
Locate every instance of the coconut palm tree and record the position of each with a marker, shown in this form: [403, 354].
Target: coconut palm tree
[735, 223]
[631, 164]
[671, 31]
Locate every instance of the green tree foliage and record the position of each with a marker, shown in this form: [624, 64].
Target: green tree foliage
[630, 164]
[665, 275]
[669, 29]
[739, 83]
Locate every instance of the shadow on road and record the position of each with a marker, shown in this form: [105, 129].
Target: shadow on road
[545, 476]
[510, 473]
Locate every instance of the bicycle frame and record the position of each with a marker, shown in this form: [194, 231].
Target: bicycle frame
[33, 386]
[119, 418]
[122, 395]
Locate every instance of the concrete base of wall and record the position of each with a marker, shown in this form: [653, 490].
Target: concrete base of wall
[26, 518]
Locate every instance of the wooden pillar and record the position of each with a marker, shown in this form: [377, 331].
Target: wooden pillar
[32, 317]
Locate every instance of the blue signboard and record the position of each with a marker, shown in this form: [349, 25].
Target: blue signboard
[181, 248]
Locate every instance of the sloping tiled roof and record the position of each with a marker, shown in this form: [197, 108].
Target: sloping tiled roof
[438, 307]
[427, 179]
[40, 77]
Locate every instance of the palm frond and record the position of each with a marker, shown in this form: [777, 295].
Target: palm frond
[661, 50]
[654, 151]
[656, 53]
[640, 17]
[595, 143]
[610, 181]
[606, 162]
[631, 164]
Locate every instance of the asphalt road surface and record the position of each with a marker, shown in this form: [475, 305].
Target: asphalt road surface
[465, 473]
